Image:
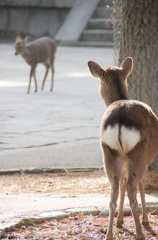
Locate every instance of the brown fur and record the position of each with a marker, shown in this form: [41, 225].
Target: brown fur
[42, 51]
[135, 116]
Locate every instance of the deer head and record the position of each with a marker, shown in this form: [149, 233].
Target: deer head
[20, 44]
[113, 80]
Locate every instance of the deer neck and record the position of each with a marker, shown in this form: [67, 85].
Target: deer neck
[26, 52]
[117, 93]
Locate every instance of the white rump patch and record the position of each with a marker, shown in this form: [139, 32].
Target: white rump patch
[128, 137]
[110, 137]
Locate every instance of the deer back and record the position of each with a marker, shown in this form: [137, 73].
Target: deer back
[126, 123]
[38, 51]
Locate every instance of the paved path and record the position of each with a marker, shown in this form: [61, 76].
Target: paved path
[51, 129]
[16, 207]
[20, 206]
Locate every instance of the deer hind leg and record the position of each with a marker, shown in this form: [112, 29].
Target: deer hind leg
[45, 76]
[144, 211]
[123, 184]
[113, 203]
[132, 191]
[113, 165]
[135, 173]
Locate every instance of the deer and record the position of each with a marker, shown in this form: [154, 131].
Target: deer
[129, 142]
[41, 50]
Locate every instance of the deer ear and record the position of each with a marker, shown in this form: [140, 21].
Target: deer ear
[27, 39]
[95, 69]
[18, 37]
[127, 66]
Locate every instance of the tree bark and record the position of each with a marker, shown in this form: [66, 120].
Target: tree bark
[138, 38]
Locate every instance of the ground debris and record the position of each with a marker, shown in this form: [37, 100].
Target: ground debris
[82, 227]
[56, 183]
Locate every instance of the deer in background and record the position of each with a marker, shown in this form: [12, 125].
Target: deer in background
[41, 50]
[129, 141]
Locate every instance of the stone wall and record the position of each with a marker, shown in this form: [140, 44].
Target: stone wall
[35, 18]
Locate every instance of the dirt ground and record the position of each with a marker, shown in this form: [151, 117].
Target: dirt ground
[56, 183]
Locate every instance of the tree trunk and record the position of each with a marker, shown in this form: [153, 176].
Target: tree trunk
[138, 38]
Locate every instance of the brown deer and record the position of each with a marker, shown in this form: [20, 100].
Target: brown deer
[129, 141]
[41, 50]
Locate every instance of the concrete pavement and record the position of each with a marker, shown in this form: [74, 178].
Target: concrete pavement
[58, 129]
[51, 129]
[18, 209]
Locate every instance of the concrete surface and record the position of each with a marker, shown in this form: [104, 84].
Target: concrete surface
[17, 209]
[51, 129]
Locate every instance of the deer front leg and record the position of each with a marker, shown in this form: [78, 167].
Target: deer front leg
[35, 82]
[47, 70]
[52, 78]
[31, 74]
[144, 212]
[112, 207]
[123, 183]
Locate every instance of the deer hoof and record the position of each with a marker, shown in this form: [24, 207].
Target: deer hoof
[109, 236]
[145, 223]
[119, 223]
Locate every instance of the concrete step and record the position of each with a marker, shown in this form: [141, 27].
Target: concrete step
[99, 30]
[104, 3]
[100, 23]
[103, 12]
[97, 35]
[89, 44]
[94, 44]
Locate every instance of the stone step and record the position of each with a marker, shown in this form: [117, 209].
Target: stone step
[100, 23]
[103, 12]
[97, 35]
[104, 3]
[94, 44]
[99, 30]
